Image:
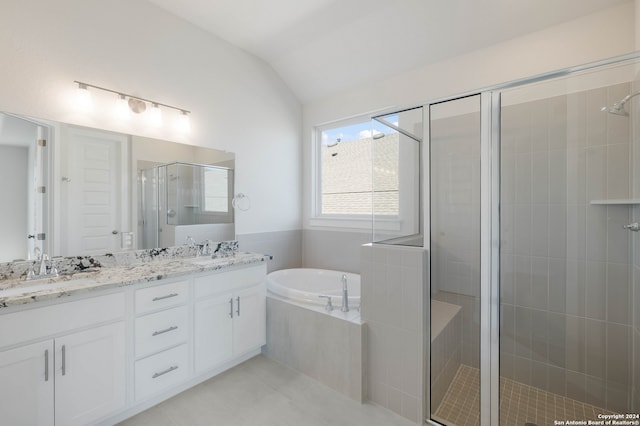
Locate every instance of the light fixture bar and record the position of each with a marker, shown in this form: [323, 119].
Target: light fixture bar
[85, 85]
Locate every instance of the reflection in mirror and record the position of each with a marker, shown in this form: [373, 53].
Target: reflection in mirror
[22, 186]
[90, 204]
[179, 194]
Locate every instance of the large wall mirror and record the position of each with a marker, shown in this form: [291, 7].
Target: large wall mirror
[70, 190]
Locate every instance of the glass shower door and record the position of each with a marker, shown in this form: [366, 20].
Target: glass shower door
[454, 166]
[566, 275]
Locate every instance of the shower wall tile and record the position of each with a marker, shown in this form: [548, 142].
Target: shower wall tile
[392, 280]
[576, 235]
[595, 392]
[523, 178]
[557, 177]
[540, 283]
[597, 172]
[576, 287]
[618, 171]
[557, 230]
[540, 230]
[596, 290]
[618, 338]
[540, 178]
[618, 238]
[596, 123]
[597, 227]
[596, 343]
[577, 176]
[557, 285]
[575, 344]
[618, 293]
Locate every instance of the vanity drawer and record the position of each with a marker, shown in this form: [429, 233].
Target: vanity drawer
[161, 296]
[161, 371]
[161, 330]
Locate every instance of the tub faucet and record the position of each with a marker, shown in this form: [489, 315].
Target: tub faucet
[329, 306]
[345, 294]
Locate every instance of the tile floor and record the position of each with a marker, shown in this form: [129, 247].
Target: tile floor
[519, 403]
[264, 392]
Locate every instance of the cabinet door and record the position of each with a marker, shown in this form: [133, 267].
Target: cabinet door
[90, 374]
[249, 329]
[213, 331]
[26, 385]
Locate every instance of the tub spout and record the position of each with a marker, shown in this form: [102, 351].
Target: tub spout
[345, 294]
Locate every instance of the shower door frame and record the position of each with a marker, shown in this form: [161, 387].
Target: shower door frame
[490, 111]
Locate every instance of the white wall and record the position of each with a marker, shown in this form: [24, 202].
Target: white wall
[238, 102]
[602, 35]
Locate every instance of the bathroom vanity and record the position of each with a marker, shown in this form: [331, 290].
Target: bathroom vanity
[105, 345]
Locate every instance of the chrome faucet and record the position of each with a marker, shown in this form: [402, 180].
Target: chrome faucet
[45, 269]
[345, 294]
[329, 306]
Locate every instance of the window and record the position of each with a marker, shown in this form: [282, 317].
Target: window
[216, 190]
[356, 164]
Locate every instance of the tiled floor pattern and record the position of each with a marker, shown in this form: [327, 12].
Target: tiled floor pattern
[262, 392]
[519, 403]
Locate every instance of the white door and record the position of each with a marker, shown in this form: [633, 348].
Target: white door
[90, 374]
[249, 329]
[26, 385]
[96, 188]
[213, 332]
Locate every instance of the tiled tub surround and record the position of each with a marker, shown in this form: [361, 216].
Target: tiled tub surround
[84, 274]
[327, 346]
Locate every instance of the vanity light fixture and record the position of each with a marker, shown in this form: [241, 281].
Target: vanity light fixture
[135, 104]
[83, 97]
[155, 115]
[122, 108]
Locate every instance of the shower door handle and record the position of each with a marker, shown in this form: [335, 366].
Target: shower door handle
[635, 227]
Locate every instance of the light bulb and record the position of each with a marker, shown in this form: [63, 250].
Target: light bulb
[183, 124]
[155, 115]
[122, 111]
[83, 98]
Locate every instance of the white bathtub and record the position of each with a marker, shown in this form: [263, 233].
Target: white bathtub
[304, 286]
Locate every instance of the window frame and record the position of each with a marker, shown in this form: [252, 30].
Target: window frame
[347, 221]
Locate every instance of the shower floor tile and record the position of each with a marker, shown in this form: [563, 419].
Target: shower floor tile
[519, 403]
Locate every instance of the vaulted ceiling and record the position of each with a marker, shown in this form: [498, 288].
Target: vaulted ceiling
[320, 47]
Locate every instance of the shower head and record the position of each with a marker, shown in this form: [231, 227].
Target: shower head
[618, 107]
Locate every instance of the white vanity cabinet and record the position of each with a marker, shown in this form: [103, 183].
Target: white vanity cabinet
[161, 338]
[78, 375]
[229, 315]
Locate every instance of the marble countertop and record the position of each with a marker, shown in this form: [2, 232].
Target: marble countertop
[20, 292]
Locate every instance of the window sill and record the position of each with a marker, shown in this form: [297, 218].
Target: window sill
[355, 223]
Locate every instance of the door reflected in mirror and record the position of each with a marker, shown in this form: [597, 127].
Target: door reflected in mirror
[79, 193]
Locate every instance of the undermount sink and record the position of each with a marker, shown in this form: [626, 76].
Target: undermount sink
[202, 260]
[43, 285]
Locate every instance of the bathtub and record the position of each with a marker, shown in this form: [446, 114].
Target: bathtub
[328, 346]
[304, 287]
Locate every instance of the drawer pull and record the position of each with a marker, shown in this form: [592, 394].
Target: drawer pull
[46, 365]
[231, 307]
[64, 360]
[166, 330]
[162, 373]
[238, 310]
[155, 299]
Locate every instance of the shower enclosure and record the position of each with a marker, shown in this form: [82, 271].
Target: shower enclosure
[534, 192]
[182, 194]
